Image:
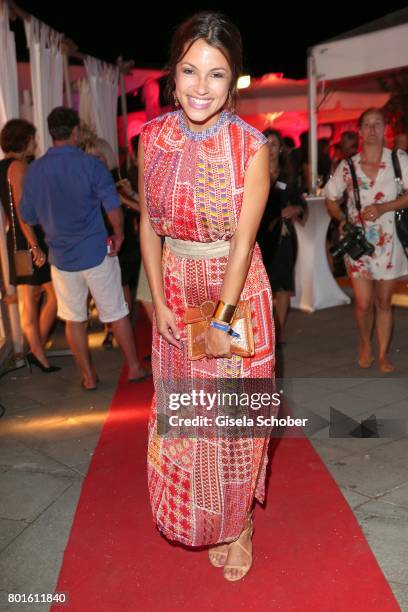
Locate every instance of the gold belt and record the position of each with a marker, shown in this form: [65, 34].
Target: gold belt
[198, 250]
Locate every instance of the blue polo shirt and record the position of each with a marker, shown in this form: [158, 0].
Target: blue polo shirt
[63, 192]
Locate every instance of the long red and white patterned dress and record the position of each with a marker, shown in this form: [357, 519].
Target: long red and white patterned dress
[201, 489]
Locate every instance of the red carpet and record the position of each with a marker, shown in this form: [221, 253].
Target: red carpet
[309, 552]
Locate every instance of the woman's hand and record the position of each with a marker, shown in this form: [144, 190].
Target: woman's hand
[125, 188]
[217, 343]
[39, 257]
[372, 212]
[167, 325]
[291, 211]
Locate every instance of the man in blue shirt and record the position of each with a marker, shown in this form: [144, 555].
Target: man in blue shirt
[63, 192]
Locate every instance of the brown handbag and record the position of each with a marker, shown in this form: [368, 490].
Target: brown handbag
[198, 318]
[23, 261]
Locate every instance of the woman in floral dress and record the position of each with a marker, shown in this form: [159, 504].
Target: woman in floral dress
[373, 277]
[204, 182]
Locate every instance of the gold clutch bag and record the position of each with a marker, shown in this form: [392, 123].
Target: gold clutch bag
[198, 318]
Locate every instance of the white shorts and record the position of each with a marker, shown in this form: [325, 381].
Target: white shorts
[104, 284]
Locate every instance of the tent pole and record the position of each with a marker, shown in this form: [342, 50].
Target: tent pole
[312, 86]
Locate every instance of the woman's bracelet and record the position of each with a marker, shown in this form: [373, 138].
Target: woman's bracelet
[224, 312]
[224, 327]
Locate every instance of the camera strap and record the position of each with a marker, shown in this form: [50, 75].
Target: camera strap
[401, 216]
[356, 190]
[397, 171]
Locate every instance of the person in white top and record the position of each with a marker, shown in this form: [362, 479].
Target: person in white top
[373, 277]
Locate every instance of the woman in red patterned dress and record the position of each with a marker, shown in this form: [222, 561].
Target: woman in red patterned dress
[204, 182]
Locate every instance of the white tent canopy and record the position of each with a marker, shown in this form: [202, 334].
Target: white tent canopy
[134, 79]
[273, 93]
[379, 46]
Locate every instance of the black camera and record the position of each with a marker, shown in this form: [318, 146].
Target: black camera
[354, 243]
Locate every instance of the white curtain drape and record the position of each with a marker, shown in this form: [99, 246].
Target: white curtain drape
[103, 84]
[9, 109]
[85, 107]
[46, 68]
[26, 106]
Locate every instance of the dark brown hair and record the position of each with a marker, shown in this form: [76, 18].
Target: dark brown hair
[61, 121]
[217, 31]
[15, 135]
[285, 165]
[350, 135]
[371, 111]
[271, 132]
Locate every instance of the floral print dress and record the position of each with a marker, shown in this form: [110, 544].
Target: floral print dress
[388, 260]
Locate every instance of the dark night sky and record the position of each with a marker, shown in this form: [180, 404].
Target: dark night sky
[275, 38]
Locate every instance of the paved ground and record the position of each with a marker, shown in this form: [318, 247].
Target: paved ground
[50, 429]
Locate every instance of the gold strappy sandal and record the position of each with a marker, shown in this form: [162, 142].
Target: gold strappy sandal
[218, 557]
[243, 569]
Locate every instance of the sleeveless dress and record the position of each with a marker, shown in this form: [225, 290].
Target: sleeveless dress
[201, 489]
[277, 236]
[41, 275]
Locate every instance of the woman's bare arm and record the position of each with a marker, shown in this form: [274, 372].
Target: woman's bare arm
[256, 191]
[374, 211]
[17, 172]
[152, 253]
[333, 206]
[149, 241]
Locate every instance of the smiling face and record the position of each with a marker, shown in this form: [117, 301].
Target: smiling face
[203, 79]
[372, 129]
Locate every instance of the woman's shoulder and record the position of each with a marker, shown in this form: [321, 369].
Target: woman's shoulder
[17, 167]
[159, 122]
[161, 130]
[246, 140]
[249, 130]
[344, 165]
[402, 156]
[386, 154]
[388, 158]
